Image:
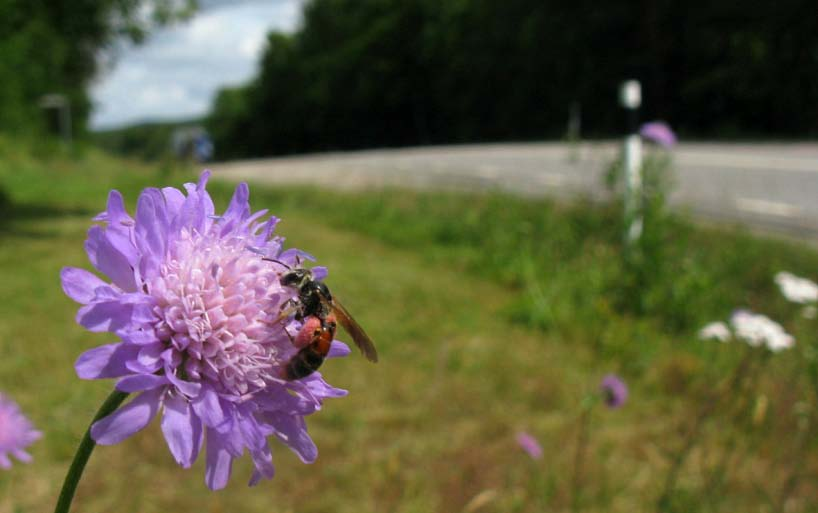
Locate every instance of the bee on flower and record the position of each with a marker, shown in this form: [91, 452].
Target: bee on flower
[195, 305]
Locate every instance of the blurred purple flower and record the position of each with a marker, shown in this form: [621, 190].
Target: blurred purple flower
[614, 391]
[194, 307]
[658, 132]
[530, 445]
[16, 433]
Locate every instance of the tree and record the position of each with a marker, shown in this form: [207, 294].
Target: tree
[52, 46]
[369, 73]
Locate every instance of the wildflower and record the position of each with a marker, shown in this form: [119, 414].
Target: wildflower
[614, 391]
[715, 330]
[658, 132]
[759, 330]
[16, 433]
[797, 289]
[195, 309]
[530, 445]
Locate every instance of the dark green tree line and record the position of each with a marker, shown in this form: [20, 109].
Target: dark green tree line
[363, 73]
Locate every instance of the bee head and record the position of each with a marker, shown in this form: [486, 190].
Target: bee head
[296, 277]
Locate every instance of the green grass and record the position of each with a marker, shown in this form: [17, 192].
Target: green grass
[491, 315]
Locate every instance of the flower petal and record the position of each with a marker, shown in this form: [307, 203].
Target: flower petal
[294, 257]
[197, 210]
[319, 272]
[141, 382]
[128, 419]
[151, 230]
[182, 430]
[208, 407]
[118, 313]
[104, 316]
[108, 361]
[21, 455]
[79, 284]
[115, 214]
[219, 461]
[292, 431]
[338, 349]
[109, 259]
[238, 210]
[188, 388]
[138, 337]
[174, 198]
[321, 389]
[263, 460]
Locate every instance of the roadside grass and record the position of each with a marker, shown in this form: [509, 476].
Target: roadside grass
[491, 314]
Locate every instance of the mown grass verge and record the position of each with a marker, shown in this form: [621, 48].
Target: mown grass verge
[492, 315]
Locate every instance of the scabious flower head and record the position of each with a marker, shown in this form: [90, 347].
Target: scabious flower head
[797, 289]
[530, 445]
[658, 132]
[16, 433]
[759, 330]
[195, 310]
[614, 391]
[715, 330]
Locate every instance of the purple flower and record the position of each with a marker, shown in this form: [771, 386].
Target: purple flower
[530, 445]
[195, 310]
[658, 132]
[16, 433]
[614, 391]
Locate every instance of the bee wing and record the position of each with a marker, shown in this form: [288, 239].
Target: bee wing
[355, 330]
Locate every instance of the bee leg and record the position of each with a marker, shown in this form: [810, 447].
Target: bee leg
[286, 313]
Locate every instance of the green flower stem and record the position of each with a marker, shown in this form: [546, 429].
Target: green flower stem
[87, 444]
[709, 407]
[586, 406]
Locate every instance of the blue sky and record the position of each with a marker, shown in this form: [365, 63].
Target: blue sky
[177, 71]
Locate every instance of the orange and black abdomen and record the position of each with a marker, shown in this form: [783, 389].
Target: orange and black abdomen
[310, 357]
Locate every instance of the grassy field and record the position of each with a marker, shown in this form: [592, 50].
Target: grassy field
[492, 315]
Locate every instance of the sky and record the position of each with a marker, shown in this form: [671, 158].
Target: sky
[176, 73]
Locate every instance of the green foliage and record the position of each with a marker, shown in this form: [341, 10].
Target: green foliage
[566, 261]
[645, 261]
[370, 73]
[53, 46]
[434, 278]
[150, 141]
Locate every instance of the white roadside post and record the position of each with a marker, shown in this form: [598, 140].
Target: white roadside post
[630, 97]
[61, 104]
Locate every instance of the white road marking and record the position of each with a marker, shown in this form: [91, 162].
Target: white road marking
[767, 207]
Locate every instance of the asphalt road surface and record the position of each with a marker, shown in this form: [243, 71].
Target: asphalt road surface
[772, 187]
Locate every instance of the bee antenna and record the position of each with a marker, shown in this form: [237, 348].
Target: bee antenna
[276, 261]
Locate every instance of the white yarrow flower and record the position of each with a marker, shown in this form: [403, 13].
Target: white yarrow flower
[758, 330]
[797, 289]
[715, 330]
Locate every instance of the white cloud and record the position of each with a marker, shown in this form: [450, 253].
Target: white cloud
[251, 45]
[176, 73]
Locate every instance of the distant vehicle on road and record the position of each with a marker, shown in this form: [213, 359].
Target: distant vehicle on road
[192, 143]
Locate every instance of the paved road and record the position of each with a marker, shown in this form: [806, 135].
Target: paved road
[767, 186]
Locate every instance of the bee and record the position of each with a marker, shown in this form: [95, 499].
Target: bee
[320, 311]
[313, 340]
